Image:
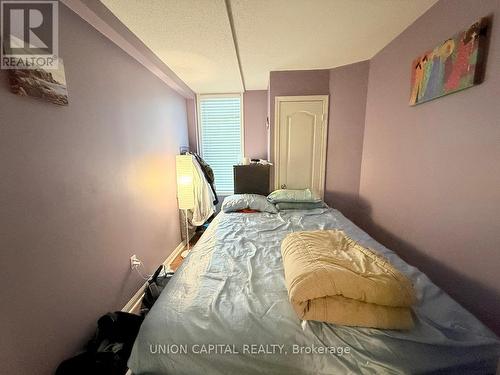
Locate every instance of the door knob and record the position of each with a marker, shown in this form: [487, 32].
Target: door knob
[283, 186]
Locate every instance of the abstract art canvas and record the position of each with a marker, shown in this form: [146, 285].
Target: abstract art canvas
[41, 83]
[454, 65]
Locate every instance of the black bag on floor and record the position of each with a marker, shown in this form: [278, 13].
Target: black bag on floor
[156, 284]
[108, 352]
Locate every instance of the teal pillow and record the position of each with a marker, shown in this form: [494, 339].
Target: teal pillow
[300, 205]
[290, 195]
[238, 202]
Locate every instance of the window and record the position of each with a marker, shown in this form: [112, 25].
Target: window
[220, 126]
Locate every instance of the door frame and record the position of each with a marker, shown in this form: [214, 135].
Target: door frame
[277, 101]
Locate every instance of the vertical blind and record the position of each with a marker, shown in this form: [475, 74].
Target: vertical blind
[220, 125]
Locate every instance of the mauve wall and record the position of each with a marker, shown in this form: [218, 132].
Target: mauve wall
[430, 179]
[83, 187]
[347, 87]
[255, 114]
[346, 124]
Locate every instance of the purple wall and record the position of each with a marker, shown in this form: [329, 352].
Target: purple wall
[347, 87]
[255, 114]
[83, 188]
[430, 174]
[346, 124]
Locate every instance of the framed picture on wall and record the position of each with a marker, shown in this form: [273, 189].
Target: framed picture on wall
[455, 64]
[49, 85]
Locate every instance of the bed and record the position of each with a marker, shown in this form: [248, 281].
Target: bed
[226, 311]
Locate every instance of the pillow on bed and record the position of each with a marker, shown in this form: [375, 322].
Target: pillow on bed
[300, 205]
[238, 202]
[289, 195]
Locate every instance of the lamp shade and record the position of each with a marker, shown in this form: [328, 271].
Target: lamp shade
[184, 170]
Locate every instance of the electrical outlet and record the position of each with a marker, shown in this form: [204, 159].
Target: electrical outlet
[134, 262]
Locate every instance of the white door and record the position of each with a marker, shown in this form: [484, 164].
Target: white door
[300, 142]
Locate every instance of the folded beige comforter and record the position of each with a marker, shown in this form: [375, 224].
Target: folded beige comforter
[332, 278]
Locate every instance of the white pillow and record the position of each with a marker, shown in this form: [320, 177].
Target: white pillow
[238, 202]
[290, 195]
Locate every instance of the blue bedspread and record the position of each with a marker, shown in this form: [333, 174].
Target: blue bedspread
[226, 311]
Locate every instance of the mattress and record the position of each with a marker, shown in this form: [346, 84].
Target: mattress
[226, 311]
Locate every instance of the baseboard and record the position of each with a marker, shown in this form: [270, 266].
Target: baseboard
[134, 304]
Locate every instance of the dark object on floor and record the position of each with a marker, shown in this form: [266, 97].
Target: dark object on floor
[155, 285]
[107, 353]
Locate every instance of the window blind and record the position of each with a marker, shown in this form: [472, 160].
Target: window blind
[220, 125]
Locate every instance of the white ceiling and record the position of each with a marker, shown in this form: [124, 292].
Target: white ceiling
[194, 38]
